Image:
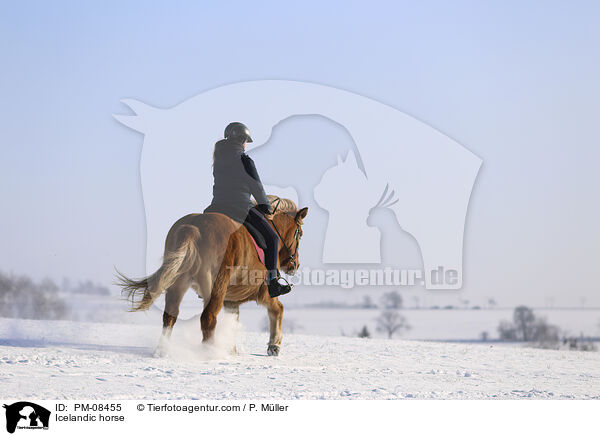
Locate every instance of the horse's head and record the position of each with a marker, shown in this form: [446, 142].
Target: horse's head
[289, 226]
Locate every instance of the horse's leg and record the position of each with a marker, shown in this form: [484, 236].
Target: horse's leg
[173, 299]
[275, 311]
[233, 308]
[275, 317]
[212, 307]
[208, 319]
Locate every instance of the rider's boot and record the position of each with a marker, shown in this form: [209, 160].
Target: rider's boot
[278, 286]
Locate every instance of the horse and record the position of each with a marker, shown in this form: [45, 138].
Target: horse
[216, 256]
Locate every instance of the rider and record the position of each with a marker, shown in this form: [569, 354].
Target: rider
[235, 180]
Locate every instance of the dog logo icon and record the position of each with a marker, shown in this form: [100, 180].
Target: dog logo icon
[397, 164]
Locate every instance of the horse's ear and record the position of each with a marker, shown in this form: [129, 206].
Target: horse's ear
[301, 214]
[351, 159]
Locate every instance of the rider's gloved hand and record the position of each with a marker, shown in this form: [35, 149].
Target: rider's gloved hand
[265, 209]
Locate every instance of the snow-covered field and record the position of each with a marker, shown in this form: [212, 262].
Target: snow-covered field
[83, 360]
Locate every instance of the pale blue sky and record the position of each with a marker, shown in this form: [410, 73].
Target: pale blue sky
[515, 82]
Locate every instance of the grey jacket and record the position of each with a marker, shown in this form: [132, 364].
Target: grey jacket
[235, 180]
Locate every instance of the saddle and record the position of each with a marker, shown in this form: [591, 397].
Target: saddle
[259, 241]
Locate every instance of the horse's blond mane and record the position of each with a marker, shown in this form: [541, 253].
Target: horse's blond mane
[282, 205]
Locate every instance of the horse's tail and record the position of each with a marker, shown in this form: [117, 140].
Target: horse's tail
[185, 258]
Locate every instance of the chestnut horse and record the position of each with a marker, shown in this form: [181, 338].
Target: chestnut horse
[216, 256]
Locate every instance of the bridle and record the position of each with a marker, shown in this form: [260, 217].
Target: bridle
[293, 256]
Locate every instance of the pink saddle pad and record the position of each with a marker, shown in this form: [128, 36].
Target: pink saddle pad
[259, 251]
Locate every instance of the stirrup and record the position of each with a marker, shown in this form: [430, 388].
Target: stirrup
[276, 288]
[285, 282]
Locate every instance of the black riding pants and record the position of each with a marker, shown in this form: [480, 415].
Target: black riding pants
[260, 223]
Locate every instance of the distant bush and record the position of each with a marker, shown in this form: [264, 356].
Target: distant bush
[507, 331]
[546, 335]
[580, 343]
[525, 327]
[364, 333]
[21, 297]
[329, 305]
[84, 287]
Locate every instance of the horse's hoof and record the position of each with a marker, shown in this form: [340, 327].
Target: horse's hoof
[273, 350]
[161, 352]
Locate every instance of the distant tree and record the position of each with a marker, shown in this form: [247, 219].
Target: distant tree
[391, 322]
[21, 297]
[48, 286]
[392, 300]
[90, 288]
[364, 333]
[492, 303]
[524, 321]
[546, 335]
[367, 302]
[507, 331]
[527, 328]
[484, 336]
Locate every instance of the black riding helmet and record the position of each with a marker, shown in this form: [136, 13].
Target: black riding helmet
[236, 129]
